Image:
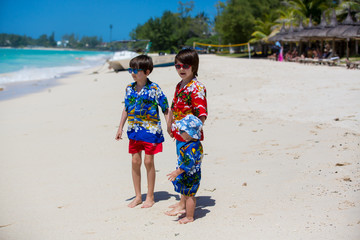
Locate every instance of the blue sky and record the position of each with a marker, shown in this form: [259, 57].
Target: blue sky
[86, 17]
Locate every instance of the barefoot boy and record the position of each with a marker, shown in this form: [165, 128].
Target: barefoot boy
[189, 98]
[142, 99]
[186, 177]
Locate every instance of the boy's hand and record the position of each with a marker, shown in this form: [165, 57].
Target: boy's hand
[119, 135]
[169, 131]
[174, 174]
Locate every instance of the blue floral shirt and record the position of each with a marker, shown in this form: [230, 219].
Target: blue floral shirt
[143, 112]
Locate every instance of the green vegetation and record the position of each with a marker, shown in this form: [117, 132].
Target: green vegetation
[237, 21]
[13, 40]
[234, 55]
[172, 31]
[296, 11]
[237, 18]
[70, 41]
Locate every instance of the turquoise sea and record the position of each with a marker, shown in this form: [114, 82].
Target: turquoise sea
[21, 65]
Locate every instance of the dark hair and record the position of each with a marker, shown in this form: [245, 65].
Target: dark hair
[143, 62]
[190, 57]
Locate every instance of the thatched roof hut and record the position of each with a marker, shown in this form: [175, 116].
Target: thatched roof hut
[324, 31]
[333, 31]
[292, 35]
[352, 32]
[279, 36]
[346, 30]
[321, 31]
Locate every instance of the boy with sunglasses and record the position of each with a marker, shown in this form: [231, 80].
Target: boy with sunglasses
[142, 99]
[189, 99]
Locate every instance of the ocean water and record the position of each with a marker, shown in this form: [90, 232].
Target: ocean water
[21, 65]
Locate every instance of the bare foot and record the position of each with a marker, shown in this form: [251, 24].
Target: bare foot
[176, 211]
[134, 203]
[186, 220]
[148, 204]
[174, 205]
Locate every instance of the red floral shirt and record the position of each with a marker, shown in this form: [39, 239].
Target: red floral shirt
[191, 99]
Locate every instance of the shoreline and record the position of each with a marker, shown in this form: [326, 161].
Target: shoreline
[27, 77]
[19, 89]
[55, 49]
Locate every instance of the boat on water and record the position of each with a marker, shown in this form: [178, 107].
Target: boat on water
[120, 61]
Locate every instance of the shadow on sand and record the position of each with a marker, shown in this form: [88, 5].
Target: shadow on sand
[159, 196]
[202, 202]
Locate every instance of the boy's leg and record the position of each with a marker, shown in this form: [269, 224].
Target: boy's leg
[136, 175]
[150, 170]
[190, 209]
[178, 208]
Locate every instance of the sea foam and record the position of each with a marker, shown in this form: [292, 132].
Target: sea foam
[31, 74]
[43, 67]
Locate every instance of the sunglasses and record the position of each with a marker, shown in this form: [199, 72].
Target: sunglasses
[134, 70]
[183, 66]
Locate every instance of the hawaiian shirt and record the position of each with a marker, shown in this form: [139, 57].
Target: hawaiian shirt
[189, 160]
[143, 113]
[191, 99]
[191, 125]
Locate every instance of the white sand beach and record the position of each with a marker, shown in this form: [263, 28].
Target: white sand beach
[282, 157]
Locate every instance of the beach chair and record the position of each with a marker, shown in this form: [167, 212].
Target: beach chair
[356, 64]
[334, 61]
[272, 57]
[315, 61]
[306, 60]
[352, 65]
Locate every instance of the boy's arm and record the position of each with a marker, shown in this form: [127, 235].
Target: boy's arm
[174, 174]
[124, 116]
[202, 118]
[169, 122]
[166, 115]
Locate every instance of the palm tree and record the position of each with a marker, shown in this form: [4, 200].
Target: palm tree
[287, 16]
[344, 6]
[264, 28]
[200, 26]
[304, 9]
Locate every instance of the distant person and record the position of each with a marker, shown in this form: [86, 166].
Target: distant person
[288, 56]
[186, 178]
[142, 99]
[189, 98]
[327, 53]
[294, 53]
[281, 56]
[278, 49]
[316, 53]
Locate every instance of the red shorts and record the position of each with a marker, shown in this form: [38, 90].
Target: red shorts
[149, 148]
